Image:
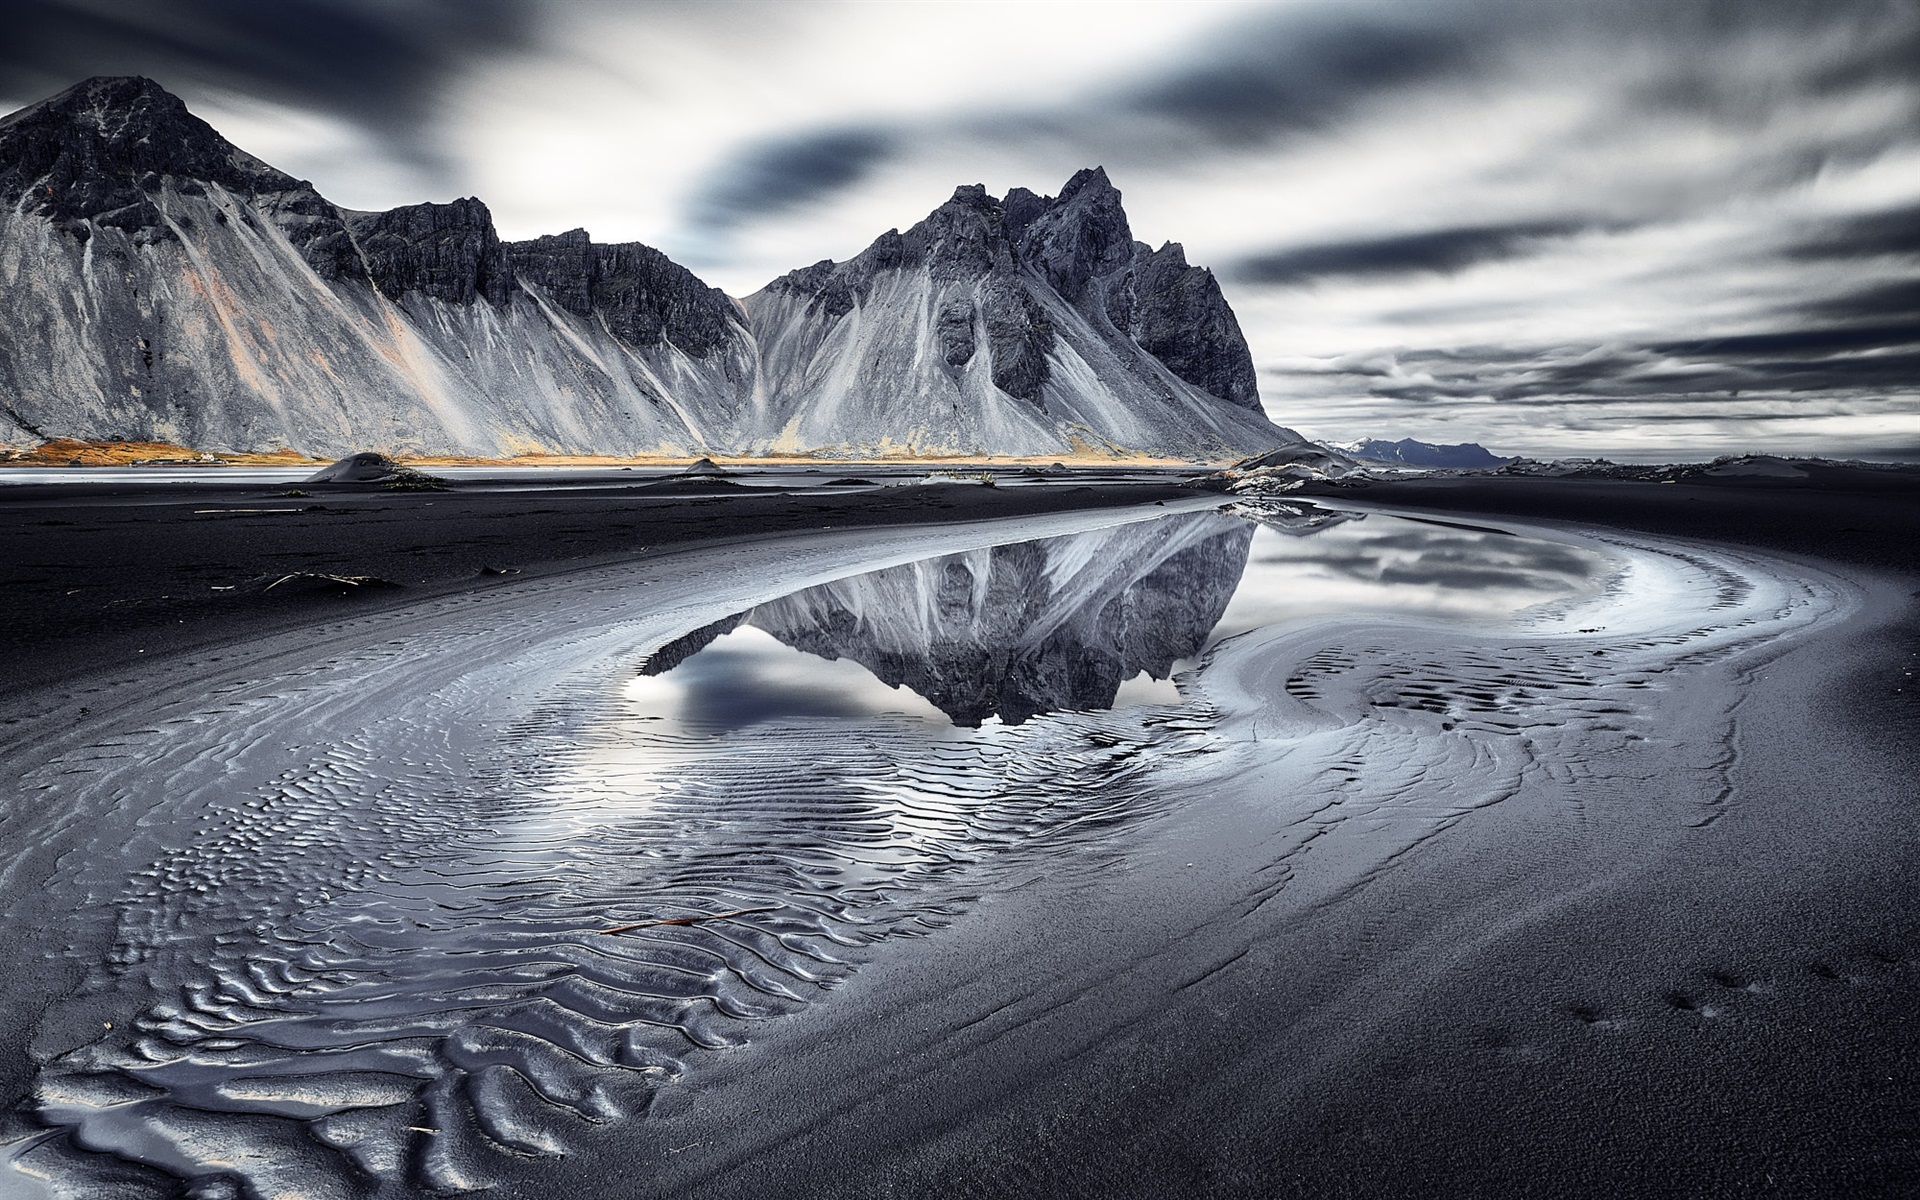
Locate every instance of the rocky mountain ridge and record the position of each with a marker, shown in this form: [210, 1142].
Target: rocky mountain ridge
[1412, 453]
[1024, 320]
[163, 285]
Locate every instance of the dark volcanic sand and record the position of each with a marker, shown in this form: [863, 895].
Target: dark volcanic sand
[99, 574]
[1740, 1017]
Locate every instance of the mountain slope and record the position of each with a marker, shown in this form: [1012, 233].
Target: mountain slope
[164, 285]
[1030, 325]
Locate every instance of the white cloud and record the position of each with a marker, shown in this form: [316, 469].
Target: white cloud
[616, 122]
[346, 163]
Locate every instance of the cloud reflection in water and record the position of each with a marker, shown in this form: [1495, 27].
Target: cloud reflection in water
[1093, 621]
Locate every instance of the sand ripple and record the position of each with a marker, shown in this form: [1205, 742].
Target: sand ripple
[358, 904]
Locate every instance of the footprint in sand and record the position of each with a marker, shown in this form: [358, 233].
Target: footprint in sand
[1592, 1017]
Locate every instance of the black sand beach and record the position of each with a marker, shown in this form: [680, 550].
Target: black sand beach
[98, 573]
[1567, 997]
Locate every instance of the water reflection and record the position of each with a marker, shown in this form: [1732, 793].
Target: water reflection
[1401, 565]
[1008, 631]
[750, 677]
[1090, 621]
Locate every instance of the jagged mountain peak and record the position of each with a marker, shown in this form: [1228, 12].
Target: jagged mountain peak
[639, 294]
[1091, 180]
[118, 108]
[115, 152]
[1068, 239]
[448, 251]
[1077, 245]
[96, 148]
[1036, 317]
[1081, 235]
[222, 304]
[465, 210]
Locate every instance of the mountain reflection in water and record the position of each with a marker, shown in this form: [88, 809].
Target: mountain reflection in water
[1013, 631]
[1080, 622]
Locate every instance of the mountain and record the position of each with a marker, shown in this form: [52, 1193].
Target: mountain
[1029, 323]
[1407, 452]
[163, 285]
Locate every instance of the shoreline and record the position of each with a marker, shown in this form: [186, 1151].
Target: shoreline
[104, 574]
[1525, 1009]
[66, 452]
[1840, 513]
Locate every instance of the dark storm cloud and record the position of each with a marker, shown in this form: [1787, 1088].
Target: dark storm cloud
[1708, 369]
[379, 63]
[1796, 342]
[1868, 338]
[774, 177]
[1281, 73]
[1442, 251]
[1897, 299]
[1847, 46]
[1895, 231]
[1294, 72]
[1823, 374]
[1890, 54]
[1692, 376]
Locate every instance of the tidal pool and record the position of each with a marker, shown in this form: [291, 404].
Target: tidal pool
[1086, 622]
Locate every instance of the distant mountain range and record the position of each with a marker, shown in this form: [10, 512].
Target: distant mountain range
[160, 284]
[1407, 452]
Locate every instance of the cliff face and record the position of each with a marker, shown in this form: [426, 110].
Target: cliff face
[1031, 323]
[1081, 243]
[161, 284]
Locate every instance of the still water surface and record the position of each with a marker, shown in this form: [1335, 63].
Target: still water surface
[1093, 621]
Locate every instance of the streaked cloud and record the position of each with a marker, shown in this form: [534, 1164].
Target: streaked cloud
[1634, 227]
[786, 174]
[381, 64]
[1439, 250]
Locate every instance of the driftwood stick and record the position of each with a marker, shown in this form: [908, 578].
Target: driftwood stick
[348, 580]
[738, 912]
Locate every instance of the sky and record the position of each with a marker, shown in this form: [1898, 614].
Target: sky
[1644, 229]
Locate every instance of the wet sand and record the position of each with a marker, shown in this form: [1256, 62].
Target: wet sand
[1590, 989]
[1560, 1000]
